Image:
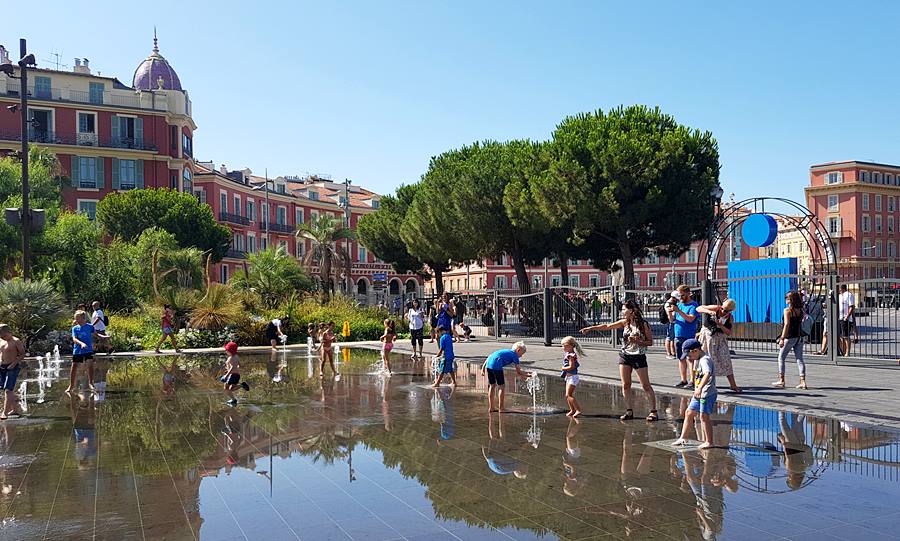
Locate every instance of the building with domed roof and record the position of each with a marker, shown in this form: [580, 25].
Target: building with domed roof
[109, 136]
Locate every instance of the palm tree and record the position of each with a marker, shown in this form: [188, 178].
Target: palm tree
[29, 307]
[273, 274]
[218, 309]
[324, 234]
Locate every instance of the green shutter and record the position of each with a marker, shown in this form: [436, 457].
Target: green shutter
[100, 179]
[115, 173]
[75, 174]
[138, 133]
[139, 174]
[115, 131]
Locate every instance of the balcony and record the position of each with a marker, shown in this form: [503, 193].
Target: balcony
[50, 137]
[233, 218]
[277, 228]
[173, 102]
[236, 254]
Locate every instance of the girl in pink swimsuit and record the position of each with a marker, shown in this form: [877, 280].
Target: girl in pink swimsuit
[387, 340]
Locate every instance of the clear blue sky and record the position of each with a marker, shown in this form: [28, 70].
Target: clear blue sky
[371, 90]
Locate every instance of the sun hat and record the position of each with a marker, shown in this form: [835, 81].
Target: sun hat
[231, 347]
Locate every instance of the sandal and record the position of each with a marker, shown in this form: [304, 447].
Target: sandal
[627, 416]
[653, 416]
[778, 384]
[802, 386]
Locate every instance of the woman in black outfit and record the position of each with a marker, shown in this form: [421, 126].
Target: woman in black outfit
[791, 339]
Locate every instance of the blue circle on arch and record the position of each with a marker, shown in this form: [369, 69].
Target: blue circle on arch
[759, 230]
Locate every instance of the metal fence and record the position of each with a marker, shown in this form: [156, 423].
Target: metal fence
[520, 316]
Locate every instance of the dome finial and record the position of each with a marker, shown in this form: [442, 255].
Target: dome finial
[155, 47]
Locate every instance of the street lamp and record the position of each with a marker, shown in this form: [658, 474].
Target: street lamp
[344, 282]
[25, 217]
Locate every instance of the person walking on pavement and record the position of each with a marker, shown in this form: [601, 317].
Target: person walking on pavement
[791, 339]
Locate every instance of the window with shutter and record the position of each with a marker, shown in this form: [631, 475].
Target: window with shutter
[116, 174]
[100, 177]
[75, 172]
[139, 174]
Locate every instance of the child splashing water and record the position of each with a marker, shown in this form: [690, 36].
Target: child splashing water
[387, 340]
[327, 338]
[232, 377]
[571, 351]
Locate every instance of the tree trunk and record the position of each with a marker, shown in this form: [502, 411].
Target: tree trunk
[564, 270]
[326, 278]
[521, 274]
[627, 260]
[438, 281]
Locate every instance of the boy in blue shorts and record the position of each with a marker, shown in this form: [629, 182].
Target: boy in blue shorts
[445, 356]
[493, 369]
[83, 334]
[704, 400]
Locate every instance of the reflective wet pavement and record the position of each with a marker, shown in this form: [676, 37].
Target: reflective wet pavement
[369, 457]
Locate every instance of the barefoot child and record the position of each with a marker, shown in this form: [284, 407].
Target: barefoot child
[12, 353]
[493, 368]
[571, 351]
[387, 340]
[83, 334]
[704, 400]
[445, 357]
[327, 338]
[166, 324]
[232, 377]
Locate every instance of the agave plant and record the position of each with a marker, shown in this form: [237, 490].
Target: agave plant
[30, 307]
[325, 252]
[217, 310]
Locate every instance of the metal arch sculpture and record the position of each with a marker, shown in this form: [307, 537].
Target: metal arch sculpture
[822, 257]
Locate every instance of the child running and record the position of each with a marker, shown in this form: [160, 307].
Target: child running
[83, 334]
[168, 328]
[387, 340]
[704, 400]
[571, 350]
[327, 338]
[232, 377]
[445, 357]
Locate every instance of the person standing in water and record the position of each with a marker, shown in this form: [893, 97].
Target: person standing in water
[416, 318]
[327, 339]
[445, 357]
[571, 351]
[387, 343]
[83, 334]
[12, 354]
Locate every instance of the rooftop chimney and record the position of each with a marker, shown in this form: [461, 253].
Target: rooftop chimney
[4, 55]
[81, 66]
[223, 169]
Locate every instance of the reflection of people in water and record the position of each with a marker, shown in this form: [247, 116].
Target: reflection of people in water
[232, 430]
[498, 462]
[84, 422]
[444, 414]
[168, 379]
[386, 404]
[571, 484]
[798, 456]
[707, 474]
[275, 368]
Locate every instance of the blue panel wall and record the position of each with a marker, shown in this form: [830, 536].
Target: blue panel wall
[761, 300]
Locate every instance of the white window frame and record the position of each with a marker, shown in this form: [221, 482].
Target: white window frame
[223, 273]
[878, 202]
[282, 208]
[865, 201]
[361, 254]
[251, 243]
[78, 203]
[236, 201]
[250, 206]
[834, 177]
[891, 203]
[836, 205]
[574, 280]
[223, 201]
[651, 279]
[692, 255]
[878, 223]
[86, 136]
[890, 224]
[866, 223]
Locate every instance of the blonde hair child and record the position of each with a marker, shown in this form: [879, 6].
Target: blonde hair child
[571, 351]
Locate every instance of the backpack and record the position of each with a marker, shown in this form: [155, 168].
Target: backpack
[663, 315]
[105, 320]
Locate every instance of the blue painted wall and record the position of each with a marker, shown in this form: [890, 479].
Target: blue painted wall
[761, 300]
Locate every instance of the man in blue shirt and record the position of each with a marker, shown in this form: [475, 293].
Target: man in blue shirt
[686, 320]
[493, 368]
[445, 357]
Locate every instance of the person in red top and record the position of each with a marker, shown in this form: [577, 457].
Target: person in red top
[168, 328]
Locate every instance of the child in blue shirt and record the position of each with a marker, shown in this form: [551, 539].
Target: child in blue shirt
[445, 356]
[705, 394]
[83, 334]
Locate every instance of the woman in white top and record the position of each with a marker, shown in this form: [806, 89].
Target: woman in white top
[416, 318]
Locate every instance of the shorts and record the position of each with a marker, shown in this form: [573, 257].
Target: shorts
[670, 332]
[679, 341]
[634, 361]
[846, 327]
[82, 357]
[495, 377]
[233, 379]
[8, 377]
[167, 330]
[703, 405]
[572, 379]
[447, 366]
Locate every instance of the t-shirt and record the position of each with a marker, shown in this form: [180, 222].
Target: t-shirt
[446, 344]
[85, 333]
[706, 366]
[98, 317]
[500, 358]
[683, 329]
[416, 320]
[847, 300]
[570, 364]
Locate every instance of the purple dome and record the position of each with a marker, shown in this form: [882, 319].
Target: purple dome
[154, 68]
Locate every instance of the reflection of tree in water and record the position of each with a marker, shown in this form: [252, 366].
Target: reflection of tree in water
[327, 445]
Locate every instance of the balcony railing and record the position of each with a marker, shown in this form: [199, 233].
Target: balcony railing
[276, 228]
[116, 98]
[233, 218]
[51, 137]
[236, 254]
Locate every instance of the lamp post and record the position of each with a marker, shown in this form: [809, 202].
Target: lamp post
[25, 216]
[345, 282]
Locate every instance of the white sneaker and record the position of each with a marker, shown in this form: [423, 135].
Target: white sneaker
[670, 357]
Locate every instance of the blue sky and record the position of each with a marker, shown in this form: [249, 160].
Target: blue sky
[371, 90]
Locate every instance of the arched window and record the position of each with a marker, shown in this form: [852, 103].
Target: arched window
[394, 287]
[362, 287]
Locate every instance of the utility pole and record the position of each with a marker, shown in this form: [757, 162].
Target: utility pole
[347, 278]
[26, 211]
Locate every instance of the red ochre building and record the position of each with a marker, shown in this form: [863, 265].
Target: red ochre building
[112, 137]
[859, 203]
[109, 136]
